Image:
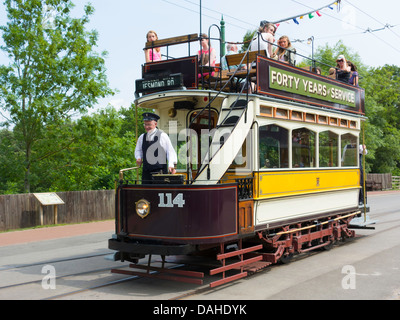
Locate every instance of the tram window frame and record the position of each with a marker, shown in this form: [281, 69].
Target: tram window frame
[281, 153]
[349, 150]
[304, 148]
[330, 151]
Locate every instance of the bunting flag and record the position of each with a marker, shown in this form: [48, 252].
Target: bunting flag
[310, 13]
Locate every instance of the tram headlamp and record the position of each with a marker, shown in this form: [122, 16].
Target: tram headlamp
[143, 208]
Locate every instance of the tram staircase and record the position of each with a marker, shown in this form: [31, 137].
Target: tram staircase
[233, 126]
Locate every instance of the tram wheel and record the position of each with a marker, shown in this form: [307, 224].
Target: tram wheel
[285, 259]
[329, 246]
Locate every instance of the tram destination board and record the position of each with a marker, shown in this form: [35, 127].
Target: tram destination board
[159, 83]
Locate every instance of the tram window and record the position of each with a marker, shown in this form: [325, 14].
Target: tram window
[322, 119]
[303, 148]
[241, 160]
[273, 147]
[187, 146]
[349, 150]
[328, 149]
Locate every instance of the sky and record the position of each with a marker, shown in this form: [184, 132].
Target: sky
[123, 24]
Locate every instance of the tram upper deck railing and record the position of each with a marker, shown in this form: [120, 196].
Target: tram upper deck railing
[264, 76]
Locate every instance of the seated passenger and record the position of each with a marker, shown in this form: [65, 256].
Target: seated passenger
[264, 38]
[232, 49]
[285, 52]
[153, 54]
[332, 73]
[353, 74]
[207, 55]
[342, 69]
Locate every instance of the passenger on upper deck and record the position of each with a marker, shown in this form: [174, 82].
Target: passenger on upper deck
[232, 49]
[342, 69]
[207, 55]
[285, 52]
[353, 74]
[153, 54]
[265, 38]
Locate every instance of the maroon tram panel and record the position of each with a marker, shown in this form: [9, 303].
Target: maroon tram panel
[197, 215]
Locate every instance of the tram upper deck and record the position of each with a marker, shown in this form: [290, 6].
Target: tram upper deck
[295, 120]
[269, 78]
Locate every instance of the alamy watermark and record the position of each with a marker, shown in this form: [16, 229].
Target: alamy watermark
[49, 280]
[349, 280]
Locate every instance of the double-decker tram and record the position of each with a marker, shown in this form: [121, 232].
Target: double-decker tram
[268, 165]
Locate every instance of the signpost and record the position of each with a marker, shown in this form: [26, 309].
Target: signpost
[48, 199]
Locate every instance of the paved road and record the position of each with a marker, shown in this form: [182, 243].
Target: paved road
[367, 267]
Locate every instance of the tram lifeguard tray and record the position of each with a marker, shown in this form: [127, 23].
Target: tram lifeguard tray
[168, 178]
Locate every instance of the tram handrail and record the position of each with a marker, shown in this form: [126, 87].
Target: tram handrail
[121, 172]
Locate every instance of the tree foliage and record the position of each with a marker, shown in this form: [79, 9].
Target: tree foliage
[382, 87]
[54, 72]
[99, 146]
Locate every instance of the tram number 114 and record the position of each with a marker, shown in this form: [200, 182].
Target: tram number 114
[167, 202]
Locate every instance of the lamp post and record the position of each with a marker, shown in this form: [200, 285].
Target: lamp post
[222, 36]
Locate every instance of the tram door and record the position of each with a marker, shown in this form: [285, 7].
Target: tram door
[199, 137]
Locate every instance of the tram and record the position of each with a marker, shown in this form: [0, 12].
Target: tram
[261, 176]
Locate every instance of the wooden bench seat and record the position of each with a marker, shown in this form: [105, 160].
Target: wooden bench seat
[233, 60]
[172, 41]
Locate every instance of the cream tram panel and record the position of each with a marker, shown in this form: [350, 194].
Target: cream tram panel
[275, 210]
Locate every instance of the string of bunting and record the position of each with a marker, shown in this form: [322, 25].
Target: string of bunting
[310, 14]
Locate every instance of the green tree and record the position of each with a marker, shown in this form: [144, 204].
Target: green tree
[11, 160]
[53, 73]
[247, 40]
[382, 90]
[102, 144]
[326, 57]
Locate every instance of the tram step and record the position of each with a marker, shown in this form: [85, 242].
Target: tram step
[239, 103]
[256, 266]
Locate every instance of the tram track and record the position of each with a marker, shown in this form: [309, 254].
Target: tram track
[114, 282]
[56, 278]
[21, 266]
[64, 281]
[103, 273]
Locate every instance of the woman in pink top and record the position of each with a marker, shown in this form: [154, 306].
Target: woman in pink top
[153, 54]
[207, 55]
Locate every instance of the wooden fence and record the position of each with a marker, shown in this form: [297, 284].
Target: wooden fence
[379, 181]
[396, 182]
[22, 210]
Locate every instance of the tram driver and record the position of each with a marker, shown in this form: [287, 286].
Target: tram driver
[154, 150]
